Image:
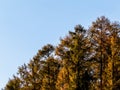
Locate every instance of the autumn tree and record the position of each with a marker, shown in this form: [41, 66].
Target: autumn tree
[83, 60]
[13, 84]
[103, 39]
[73, 52]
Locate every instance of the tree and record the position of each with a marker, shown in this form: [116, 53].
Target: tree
[13, 84]
[84, 60]
[31, 75]
[50, 71]
[73, 52]
[103, 39]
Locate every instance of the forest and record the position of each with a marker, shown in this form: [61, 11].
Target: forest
[85, 59]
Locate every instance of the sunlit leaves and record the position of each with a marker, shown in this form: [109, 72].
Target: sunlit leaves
[83, 60]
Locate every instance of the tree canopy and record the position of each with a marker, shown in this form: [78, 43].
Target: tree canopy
[85, 59]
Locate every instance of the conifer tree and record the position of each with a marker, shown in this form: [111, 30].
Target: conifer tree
[84, 60]
[73, 52]
[103, 43]
[13, 84]
[50, 71]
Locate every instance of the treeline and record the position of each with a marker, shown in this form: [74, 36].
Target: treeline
[84, 60]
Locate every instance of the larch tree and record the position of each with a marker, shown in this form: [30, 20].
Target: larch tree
[73, 51]
[103, 42]
[83, 60]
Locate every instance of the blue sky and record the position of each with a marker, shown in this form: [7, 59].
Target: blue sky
[27, 25]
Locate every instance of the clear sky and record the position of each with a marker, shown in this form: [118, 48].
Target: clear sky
[27, 25]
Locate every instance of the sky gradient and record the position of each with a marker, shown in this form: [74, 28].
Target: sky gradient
[27, 25]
